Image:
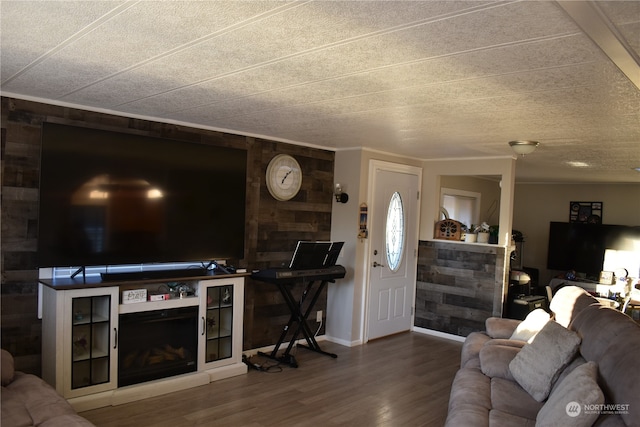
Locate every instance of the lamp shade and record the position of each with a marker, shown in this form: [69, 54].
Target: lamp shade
[523, 147]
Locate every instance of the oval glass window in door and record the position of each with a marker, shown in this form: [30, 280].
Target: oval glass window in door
[394, 232]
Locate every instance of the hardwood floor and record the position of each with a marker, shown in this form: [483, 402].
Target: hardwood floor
[401, 380]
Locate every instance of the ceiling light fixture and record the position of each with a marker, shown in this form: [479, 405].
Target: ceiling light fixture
[523, 147]
[577, 164]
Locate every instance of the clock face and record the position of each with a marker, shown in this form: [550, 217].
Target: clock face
[284, 177]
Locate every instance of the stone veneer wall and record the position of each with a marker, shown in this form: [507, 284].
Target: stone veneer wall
[459, 285]
[272, 227]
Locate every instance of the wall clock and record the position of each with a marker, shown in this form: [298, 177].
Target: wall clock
[284, 177]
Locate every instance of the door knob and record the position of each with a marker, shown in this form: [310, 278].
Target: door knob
[375, 264]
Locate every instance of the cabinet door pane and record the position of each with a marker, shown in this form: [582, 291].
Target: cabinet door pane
[91, 328]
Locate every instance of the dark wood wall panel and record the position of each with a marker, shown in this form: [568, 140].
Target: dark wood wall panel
[458, 286]
[272, 227]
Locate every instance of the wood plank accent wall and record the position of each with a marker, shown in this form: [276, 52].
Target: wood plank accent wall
[272, 227]
[458, 286]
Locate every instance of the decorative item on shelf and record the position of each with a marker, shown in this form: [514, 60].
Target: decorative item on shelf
[226, 296]
[134, 295]
[494, 234]
[448, 229]
[471, 236]
[80, 345]
[338, 192]
[483, 233]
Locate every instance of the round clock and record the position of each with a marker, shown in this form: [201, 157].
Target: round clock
[284, 177]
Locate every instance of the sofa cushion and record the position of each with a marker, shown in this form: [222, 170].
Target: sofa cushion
[507, 396]
[531, 325]
[495, 359]
[567, 403]
[468, 416]
[609, 420]
[40, 399]
[470, 388]
[498, 327]
[577, 361]
[507, 342]
[503, 419]
[13, 411]
[8, 369]
[568, 302]
[537, 365]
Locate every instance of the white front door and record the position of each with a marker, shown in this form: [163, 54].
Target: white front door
[394, 248]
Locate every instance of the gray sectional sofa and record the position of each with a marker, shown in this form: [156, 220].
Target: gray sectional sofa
[26, 400]
[579, 367]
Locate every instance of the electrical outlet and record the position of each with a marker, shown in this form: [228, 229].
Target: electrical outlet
[319, 316]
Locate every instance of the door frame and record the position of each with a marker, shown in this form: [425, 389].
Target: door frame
[375, 165]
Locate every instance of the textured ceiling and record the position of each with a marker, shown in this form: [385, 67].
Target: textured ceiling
[423, 79]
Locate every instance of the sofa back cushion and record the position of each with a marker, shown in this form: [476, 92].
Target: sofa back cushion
[612, 340]
[568, 302]
[565, 404]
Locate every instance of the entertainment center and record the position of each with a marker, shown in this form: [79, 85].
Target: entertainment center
[120, 214]
[100, 351]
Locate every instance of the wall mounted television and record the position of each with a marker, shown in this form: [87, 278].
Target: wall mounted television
[581, 247]
[109, 198]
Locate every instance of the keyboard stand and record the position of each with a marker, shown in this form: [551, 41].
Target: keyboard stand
[299, 318]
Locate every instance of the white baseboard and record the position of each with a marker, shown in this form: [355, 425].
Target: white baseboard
[438, 334]
[344, 342]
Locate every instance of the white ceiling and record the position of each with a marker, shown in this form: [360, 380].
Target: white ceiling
[424, 79]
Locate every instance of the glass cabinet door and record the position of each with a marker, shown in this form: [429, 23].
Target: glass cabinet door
[219, 323]
[91, 326]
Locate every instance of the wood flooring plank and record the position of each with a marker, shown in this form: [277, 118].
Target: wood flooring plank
[401, 380]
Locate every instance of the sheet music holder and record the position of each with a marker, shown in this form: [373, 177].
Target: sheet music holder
[310, 255]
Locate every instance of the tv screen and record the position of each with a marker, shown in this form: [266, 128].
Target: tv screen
[581, 247]
[114, 198]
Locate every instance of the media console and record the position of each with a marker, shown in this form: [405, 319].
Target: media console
[100, 349]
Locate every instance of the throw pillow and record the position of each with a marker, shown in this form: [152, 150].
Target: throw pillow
[566, 404]
[531, 325]
[537, 365]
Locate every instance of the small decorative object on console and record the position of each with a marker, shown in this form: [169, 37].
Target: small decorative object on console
[159, 297]
[134, 295]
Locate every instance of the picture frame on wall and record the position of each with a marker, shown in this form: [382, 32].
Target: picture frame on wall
[585, 212]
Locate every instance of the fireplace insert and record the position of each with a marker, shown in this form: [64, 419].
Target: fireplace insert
[157, 344]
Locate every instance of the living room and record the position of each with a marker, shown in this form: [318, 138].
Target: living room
[273, 227]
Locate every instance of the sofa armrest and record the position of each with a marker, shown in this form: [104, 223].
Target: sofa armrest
[7, 366]
[498, 327]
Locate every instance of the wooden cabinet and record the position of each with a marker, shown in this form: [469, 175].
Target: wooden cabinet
[80, 336]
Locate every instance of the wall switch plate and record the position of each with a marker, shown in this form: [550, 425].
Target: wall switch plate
[319, 316]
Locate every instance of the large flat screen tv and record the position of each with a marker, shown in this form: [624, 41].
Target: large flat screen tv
[111, 198]
[581, 247]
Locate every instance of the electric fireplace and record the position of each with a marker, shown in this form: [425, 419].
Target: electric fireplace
[157, 344]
